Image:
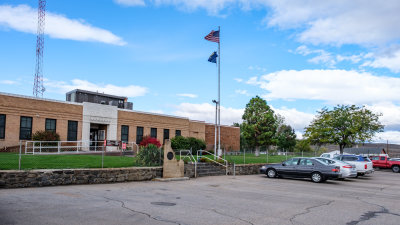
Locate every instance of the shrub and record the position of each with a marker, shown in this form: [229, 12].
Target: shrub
[149, 140]
[150, 155]
[180, 143]
[183, 143]
[45, 135]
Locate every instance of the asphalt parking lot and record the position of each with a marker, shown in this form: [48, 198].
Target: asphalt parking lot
[253, 199]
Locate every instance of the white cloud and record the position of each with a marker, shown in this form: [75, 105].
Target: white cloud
[392, 136]
[9, 82]
[390, 114]
[296, 119]
[322, 56]
[338, 22]
[62, 87]
[24, 18]
[332, 86]
[131, 2]
[390, 58]
[239, 80]
[206, 112]
[188, 95]
[242, 92]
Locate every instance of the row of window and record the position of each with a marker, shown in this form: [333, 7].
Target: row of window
[25, 128]
[139, 133]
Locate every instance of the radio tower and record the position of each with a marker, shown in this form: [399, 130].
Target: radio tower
[38, 87]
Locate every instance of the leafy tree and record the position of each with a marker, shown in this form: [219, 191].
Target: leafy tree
[303, 146]
[286, 137]
[243, 143]
[259, 124]
[344, 125]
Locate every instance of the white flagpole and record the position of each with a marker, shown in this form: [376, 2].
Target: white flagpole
[219, 92]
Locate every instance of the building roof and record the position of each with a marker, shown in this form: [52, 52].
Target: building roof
[358, 151]
[96, 93]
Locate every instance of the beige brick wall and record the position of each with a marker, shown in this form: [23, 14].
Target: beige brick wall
[14, 107]
[230, 137]
[135, 119]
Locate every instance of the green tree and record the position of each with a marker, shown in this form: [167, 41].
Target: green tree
[303, 146]
[344, 125]
[259, 124]
[286, 137]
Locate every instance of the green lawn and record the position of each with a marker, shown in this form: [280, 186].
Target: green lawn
[9, 161]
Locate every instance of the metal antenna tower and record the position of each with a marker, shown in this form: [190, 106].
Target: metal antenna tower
[38, 87]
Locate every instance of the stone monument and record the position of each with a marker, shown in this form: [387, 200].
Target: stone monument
[172, 168]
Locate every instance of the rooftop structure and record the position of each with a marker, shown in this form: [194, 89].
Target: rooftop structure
[81, 96]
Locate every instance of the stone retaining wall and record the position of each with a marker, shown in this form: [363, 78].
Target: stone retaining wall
[247, 169]
[36, 178]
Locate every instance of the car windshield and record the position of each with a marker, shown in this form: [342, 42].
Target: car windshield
[366, 159]
[350, 158]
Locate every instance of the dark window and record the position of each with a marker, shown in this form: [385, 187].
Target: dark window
[153, 132]
[382, 158]
[177, 133]
[124, 133]
[25, 128]
[349, 158]
[2, 126]
[139, 135]
[50, 125]
[72, 130]
[166, 134]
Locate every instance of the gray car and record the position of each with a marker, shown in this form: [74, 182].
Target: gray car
[312, 168]
[346, 169]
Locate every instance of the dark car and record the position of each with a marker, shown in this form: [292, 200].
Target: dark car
[315, 169]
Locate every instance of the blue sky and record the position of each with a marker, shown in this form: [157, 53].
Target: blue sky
[299, 55]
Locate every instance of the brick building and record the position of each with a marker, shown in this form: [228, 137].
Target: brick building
[21, 116]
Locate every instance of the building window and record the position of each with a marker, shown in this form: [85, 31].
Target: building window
[166, 134]
[124, 133]
[153, 132]
[25, 128]
[2, 126]
[178, 133]
[72, 130]
[139, 135]
[50, 125]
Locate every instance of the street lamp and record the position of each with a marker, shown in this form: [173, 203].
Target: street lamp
[215, 129]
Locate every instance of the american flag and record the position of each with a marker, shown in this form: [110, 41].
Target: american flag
[213, 36]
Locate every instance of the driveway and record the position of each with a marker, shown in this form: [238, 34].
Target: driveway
[218, 200]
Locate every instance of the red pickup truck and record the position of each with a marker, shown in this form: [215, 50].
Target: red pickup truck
[386, 163]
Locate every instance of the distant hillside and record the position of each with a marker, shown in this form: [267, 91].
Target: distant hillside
[394, 149]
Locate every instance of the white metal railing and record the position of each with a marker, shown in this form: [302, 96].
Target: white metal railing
[202, 156]
[57, 147]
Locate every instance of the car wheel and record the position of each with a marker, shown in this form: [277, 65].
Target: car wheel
[316, 177]
[396, 169]
[271, 173]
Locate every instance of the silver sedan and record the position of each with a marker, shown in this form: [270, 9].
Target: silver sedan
[346, 169]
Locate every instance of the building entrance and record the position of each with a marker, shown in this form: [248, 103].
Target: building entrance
[97, 136]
